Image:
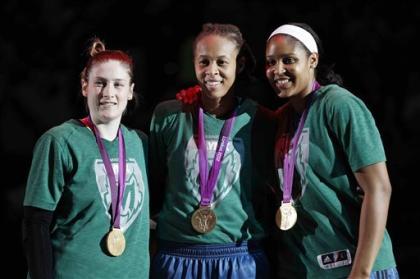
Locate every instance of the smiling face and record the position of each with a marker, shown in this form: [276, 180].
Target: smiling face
[215, 65]
[289, 68]
[107, 89]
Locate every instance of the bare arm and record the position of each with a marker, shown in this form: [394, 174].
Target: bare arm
[375, 183]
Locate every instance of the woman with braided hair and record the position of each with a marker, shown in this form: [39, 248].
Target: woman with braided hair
[202, 171]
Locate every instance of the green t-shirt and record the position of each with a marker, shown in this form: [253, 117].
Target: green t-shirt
[174, 156]
[68, 177]
[339, 137]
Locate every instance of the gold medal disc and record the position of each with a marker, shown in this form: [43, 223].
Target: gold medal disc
[115, 242]
[286, 216]
[203, 219]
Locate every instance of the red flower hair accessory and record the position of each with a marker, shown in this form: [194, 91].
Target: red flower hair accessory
[189, 95]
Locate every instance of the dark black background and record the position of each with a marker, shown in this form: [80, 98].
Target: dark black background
[42, 52]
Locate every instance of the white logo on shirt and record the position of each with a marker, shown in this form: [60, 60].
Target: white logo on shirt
[301, 164]
[229, 170]
[133, 194]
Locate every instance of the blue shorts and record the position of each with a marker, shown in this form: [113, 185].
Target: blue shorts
[233, 260]
[390, 273]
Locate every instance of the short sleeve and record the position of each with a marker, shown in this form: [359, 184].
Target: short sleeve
[46, 178]
[356, 131]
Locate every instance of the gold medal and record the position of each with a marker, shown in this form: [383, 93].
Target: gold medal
[203, 219]
[115, 242]
[286, 216]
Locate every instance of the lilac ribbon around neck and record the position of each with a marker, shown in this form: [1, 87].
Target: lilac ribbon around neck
[208, 181]
[289, 159]
[117, 191]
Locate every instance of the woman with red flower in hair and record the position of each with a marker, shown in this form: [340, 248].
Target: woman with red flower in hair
[205, 187]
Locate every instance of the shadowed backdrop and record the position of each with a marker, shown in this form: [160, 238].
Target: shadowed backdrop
[43, 50]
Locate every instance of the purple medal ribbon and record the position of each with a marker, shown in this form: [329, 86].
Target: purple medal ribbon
[117, 191]
[208, 181]
[289, 160]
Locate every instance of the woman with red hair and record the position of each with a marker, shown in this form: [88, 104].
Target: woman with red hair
[86, 206]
